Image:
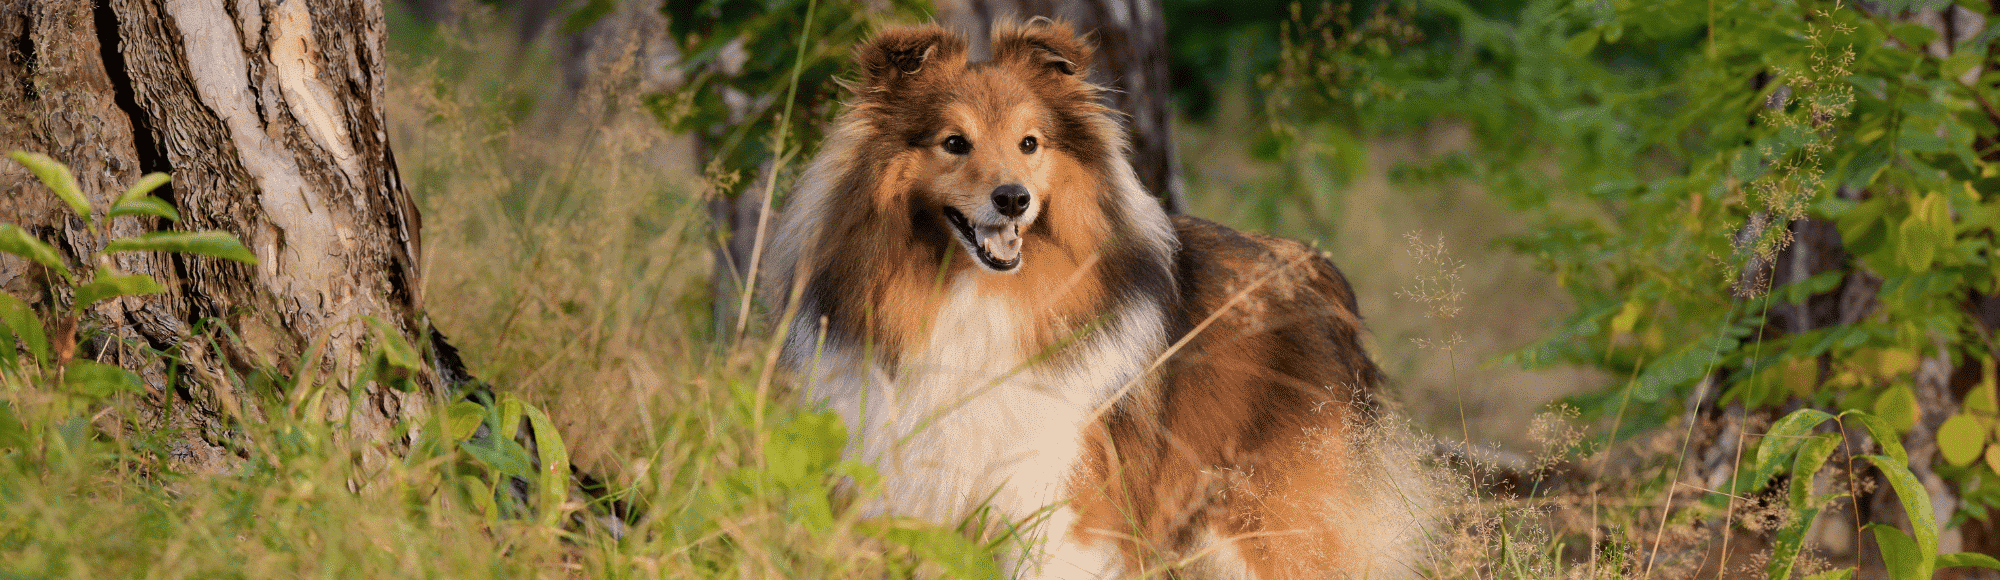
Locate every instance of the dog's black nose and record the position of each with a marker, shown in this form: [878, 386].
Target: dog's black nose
[1011, 200]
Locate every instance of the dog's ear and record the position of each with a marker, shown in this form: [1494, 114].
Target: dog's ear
[899, 58]
[1043, 47]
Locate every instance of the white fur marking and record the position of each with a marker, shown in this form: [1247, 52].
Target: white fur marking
[969, 413]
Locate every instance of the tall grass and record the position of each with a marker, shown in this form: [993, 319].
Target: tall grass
[571, 267]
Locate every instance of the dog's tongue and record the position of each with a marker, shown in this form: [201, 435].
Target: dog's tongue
[1003, 243]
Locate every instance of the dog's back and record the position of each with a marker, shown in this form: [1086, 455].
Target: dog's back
[1250, 459]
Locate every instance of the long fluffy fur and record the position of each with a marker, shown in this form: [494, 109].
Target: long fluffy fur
[968, 380]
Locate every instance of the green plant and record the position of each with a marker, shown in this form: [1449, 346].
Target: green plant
[86, 379]
[1792, 447]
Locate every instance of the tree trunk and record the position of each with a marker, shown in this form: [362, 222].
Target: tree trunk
[1131, 60]
[267, 113]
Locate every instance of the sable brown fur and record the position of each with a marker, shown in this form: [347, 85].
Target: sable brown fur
[1242, 444]
[1249, 395]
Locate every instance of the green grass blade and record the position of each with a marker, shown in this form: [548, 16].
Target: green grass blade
[213, 244]
[58, 178]
[959, 557]
[19, 242]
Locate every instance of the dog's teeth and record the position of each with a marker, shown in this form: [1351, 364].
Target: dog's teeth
[1004, 244]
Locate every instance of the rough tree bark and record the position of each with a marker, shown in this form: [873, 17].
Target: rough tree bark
[268, 115]
[1131, 60]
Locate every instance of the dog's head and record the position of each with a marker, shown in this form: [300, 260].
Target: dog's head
[985, 149]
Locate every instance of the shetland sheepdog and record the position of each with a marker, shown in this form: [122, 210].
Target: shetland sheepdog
[1006, 320]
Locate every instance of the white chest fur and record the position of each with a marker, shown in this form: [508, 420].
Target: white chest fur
[971, 415]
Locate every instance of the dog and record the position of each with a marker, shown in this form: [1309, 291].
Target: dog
[1010, 325]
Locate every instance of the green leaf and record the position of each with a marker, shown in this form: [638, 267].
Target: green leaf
[213, 244]
[1951, 560]
[1914, 141]
[1961, 439]
[589, 13]
[508, 423]
[1884, 435]
[1805, 467]
[1903, 558]
[1686, 365]
[462, 419]
[1583, 43]
[17, 241]
[1835, 574]
[1627, 318]
[1914, 249]
[136, 200]
[1981, 400]
[57, 177]
[1786, 544]
[1786, 435]
[145, 205]
[12, 434]
[1778, 447]
[554, 458]
[96, 380]
[109, 285]
[502, 454]
[1960, 62]
[1916, 502]
[1898, 406]
[147, 183]
[1913, 33]
[17, 316]
[395, 349]
[802, 452]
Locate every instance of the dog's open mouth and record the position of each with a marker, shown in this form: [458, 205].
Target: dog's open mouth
[998, 248]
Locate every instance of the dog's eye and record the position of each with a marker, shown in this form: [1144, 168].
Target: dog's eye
[1028, 144]
[957, 145]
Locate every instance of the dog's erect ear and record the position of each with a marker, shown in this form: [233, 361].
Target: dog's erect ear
[898, 58]
[1043, 46]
